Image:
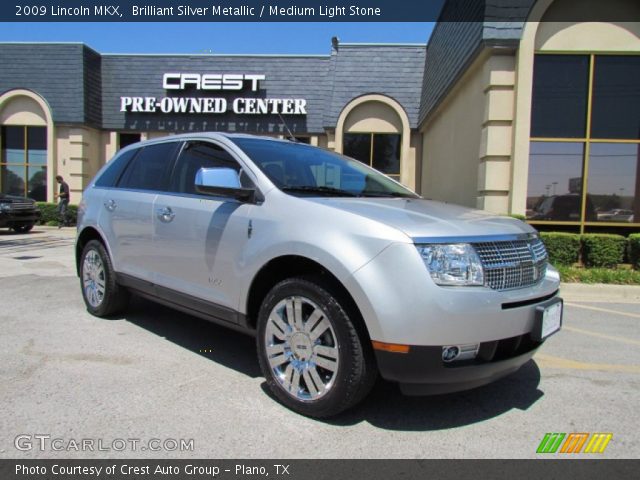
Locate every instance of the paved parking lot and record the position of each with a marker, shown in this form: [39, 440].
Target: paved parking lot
[159, 374]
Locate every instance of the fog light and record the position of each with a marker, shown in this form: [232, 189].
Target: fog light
[460, 352]
[449, 354]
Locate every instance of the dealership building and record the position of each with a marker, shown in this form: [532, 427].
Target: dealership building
[511, 107]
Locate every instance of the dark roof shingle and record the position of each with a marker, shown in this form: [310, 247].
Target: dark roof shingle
[463, 27]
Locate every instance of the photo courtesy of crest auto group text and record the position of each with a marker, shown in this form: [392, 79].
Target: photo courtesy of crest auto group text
[302, 240]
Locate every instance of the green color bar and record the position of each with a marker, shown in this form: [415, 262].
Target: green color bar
[550, 443]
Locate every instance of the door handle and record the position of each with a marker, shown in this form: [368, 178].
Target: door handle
[110, 205]
[165, 214]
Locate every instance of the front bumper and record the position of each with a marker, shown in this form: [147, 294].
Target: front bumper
[423, 372]
[401, 305]
[26, 217]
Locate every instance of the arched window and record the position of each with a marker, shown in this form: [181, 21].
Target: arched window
[374, 129]
[23, 147]
[577, 139]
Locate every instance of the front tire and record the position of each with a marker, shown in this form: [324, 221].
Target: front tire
[22, 228]
[101, 294]
[315, 359]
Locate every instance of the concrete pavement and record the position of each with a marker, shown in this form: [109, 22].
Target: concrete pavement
[157, 373]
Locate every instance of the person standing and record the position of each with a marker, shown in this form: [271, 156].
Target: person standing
[63, 203]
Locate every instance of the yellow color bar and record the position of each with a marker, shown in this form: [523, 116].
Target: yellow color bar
[598, 442]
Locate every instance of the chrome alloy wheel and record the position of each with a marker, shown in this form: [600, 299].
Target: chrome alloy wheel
[93, 278]
[301, 348]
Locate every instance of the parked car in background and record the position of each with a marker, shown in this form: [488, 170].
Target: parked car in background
[18, 213]
[339, 272]
[616, 215]
[565, 208]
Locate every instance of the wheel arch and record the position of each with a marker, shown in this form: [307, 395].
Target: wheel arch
[288, 266]
[88, 234]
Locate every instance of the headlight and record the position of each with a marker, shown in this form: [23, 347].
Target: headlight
[456, 264]
[5, 206]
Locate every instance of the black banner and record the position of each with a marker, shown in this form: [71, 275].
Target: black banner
[220, 11]
[512, 12]
[316, 469]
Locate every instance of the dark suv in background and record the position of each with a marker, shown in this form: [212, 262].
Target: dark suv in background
[565, 208]
[18, 213]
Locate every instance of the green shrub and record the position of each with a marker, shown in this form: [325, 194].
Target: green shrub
[634, 250]
[603, 250]
[563, 248]
[615, 276]
[518, 216]
[49, 213]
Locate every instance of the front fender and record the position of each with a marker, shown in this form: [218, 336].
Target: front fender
[341, 265]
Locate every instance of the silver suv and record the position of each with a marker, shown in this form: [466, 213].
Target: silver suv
[339, 272]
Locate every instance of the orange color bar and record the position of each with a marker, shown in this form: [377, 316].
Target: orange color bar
[574, 443]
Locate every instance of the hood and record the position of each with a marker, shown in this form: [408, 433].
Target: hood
[13, 198]
[419, 218]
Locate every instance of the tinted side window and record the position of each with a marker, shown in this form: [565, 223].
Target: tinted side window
[115, 168]
[147, 171]
[194, 156]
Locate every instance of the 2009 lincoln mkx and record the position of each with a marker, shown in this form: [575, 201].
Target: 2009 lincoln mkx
[341, 273]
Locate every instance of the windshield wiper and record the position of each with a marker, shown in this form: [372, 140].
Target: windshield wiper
[317, 189]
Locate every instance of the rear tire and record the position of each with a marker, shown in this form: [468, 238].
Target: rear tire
[22, 228]
[315, 359]
[101, 294]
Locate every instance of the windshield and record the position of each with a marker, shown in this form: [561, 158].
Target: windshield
[300, 169]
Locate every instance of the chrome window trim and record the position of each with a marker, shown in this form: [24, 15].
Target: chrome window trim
[174, 194]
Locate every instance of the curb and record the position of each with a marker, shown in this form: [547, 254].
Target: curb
[598, 292]
[48, 227]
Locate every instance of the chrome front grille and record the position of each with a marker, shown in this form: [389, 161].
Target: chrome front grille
[22, 205]
[512, 264]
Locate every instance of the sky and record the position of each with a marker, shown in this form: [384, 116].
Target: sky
[229, 37]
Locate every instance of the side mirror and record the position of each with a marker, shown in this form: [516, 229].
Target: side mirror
[222, 182]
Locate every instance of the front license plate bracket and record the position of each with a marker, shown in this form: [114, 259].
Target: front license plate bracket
[548, 319]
